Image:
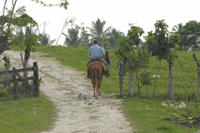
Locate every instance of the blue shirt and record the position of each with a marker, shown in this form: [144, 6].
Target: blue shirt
[95, 51]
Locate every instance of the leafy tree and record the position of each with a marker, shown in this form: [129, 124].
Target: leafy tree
[122, 56]
[20, 21]
[161, 44]
[31, 39]
[5, 32]
[18, 38]
[157, 44]
[145, 79]
[173, 41]
[157, 41]
[132, 55]
[137, 59]
[63, 4]
[190, 35]
[7, 20]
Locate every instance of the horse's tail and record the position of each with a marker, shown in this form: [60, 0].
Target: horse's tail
[95, 74]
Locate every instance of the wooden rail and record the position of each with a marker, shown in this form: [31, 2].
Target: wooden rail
[19, 85]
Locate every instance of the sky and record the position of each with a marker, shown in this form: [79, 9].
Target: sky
[117, 13]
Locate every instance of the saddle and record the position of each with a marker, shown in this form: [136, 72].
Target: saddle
[96, 62]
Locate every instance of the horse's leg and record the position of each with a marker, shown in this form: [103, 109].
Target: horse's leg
[94, 91]
[96, 87]
[99, 84]
[99, 87]
[93, 83]
[97, 91]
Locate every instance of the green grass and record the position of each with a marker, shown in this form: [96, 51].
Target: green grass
[146, 115]
[26, 115]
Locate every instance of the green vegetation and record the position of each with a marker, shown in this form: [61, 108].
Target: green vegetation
[176, 77]
[26, 115]
[147, 115]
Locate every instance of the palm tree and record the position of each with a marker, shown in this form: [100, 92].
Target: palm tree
[72, 37]
[45, 39]
[178, 28]
[97, 31]
[84, 37]
[113, 38]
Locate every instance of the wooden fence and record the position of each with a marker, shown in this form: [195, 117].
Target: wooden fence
[17, 86]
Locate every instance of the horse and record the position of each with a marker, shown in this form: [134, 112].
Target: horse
[96, 70]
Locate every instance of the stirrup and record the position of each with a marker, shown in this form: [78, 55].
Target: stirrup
[107, 74]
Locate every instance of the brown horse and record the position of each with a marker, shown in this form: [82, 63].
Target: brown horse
[96, 70]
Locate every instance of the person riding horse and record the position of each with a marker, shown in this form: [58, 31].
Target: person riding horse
[96, 52]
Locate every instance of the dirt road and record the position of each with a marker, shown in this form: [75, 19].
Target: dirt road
[77, 110]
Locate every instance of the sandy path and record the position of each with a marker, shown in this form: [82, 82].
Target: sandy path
[71, 93]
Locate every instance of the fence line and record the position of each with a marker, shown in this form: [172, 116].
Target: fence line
[18, 85]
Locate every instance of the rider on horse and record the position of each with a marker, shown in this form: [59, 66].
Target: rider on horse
[95, 53]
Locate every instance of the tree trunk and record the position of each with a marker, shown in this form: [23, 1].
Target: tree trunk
[138, 82]
[198, 72]
[11, 15]
[3, 15]
[4, 43]
[4, 36]
[155, 79]
[171, 85]
[130, 91]
[198, 80]
[26, 58]
[121, 78]
[61, 33]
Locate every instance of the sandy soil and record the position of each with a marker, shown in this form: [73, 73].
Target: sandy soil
[77, 110]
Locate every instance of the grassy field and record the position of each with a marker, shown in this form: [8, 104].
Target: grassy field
[26, 115]
[146, 115]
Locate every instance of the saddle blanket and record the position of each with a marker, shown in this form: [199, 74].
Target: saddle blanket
[97, 62]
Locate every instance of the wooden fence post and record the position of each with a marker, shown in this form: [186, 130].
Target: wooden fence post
[15, 82]
[121, 77]
[36, 78]
[198, 71]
